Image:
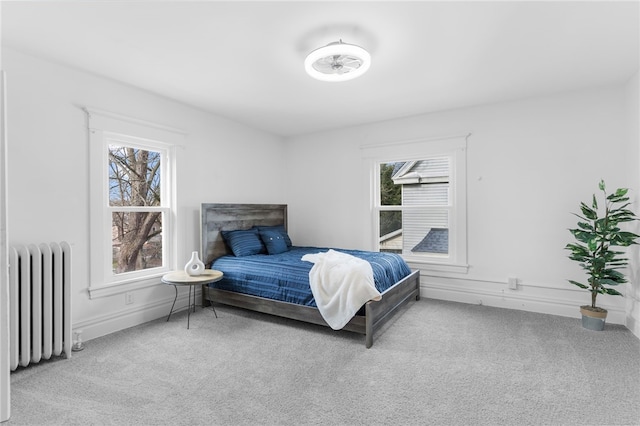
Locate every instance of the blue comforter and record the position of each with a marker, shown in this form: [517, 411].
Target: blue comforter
[285, 276]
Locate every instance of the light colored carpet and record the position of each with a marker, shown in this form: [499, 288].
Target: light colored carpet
[437, 362]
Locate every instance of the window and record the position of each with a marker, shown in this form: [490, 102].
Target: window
[414, 207]
[132, 203]
[135, 203]
[419, 201]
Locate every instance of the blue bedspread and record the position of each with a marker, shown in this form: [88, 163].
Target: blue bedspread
[285, 276]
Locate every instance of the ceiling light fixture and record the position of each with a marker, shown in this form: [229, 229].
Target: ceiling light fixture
[337, 61]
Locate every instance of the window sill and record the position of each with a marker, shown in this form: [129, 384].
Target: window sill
[106, 290]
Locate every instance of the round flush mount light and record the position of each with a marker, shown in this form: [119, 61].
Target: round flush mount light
[337, 61]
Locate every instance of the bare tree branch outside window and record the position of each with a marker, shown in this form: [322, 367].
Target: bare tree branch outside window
[134, 192]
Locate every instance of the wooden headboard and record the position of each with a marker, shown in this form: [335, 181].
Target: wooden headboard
[229, 217]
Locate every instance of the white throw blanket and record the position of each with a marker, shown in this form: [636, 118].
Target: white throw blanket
[340, 284]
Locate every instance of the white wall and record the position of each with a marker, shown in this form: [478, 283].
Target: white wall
[49, 175]
[632, 292]
[530, 162]
[529, 165]
[5, 382]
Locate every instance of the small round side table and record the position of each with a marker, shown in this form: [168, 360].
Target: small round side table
[177, 278]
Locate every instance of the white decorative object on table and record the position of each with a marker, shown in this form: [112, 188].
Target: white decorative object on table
[195, 265]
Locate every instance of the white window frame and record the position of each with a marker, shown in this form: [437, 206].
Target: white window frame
[106, 129]
[455, 148]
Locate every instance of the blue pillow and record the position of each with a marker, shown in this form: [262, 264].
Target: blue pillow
[274, 241]
[244, 242]
[280, 229]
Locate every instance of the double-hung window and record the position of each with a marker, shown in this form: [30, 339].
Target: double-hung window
[132, 202]
[418, 201]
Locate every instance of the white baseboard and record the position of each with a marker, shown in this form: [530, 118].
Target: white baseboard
[126, 318]
[532, 298]
[633, 315]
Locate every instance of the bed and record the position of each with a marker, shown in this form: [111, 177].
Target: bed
[217, 219]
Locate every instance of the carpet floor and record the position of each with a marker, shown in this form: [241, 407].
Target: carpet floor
[436, 362]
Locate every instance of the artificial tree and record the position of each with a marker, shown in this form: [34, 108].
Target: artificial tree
[597, 234]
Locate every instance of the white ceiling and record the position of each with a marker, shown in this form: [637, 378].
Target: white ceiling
[244, 60]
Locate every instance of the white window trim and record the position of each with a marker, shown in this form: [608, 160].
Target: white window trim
[418, 149]
[102, 126]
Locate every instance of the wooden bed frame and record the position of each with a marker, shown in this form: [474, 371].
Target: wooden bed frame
[227, 217]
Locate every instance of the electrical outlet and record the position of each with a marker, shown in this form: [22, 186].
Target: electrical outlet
[513, 283]
[128, 298]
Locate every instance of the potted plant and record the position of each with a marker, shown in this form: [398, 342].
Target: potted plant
[597, 236]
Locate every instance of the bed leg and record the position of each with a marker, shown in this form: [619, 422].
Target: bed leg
[368, 325]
